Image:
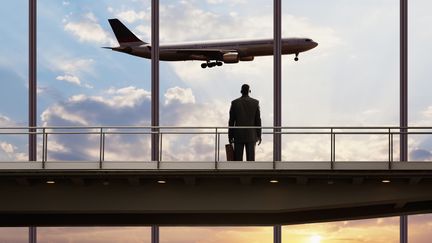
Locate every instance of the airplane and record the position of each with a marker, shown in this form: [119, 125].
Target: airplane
[212, 53]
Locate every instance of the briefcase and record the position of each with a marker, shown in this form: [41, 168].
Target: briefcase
[229, 152]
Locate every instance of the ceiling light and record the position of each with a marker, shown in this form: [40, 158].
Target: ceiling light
[274, 181]
[50, 182]
[385, 181]
[161, 181]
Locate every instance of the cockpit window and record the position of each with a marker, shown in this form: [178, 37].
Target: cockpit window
[308, 40]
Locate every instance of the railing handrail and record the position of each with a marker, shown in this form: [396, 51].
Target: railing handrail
[217, 131]
[213, 127]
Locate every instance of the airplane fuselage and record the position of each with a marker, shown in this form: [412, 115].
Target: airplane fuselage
[246, 50]
[212, 53]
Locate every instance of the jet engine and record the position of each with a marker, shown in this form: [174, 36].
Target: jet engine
[247, 59]
[231, 57]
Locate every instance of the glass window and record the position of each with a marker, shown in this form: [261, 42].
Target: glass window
[15, 235]
[94, 234]
[13, 77]
[83, 84]
[419, 76]
[420, 228]
[378, 230]
[216, 234]
[350, 79]
[196, 96]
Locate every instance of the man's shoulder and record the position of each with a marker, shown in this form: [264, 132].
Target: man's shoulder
[236, 100]
[252, 100]
[243, 99]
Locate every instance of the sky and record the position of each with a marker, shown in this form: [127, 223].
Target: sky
[350, 79]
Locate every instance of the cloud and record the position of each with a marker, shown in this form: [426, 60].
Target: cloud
[177, 94]
[420, 155]
[427, 113]
[11, 147]
[73, 80]
[69, 78]
[89, 30]
[125, 106]
[7, 147]
[131, 106]
[71, 66]
[5, 121]
[72, 69]
[131, 16]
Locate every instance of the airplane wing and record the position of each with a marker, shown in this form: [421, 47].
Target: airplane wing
[212, 54]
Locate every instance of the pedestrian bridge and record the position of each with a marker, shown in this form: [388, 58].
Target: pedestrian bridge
[80, 178]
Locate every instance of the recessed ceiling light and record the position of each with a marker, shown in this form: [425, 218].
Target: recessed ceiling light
[274, 181]
[161, 181]
[386, 181]
[50, 182]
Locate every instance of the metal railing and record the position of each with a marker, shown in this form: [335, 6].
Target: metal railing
[391, 134]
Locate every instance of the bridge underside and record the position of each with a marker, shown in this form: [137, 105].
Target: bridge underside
[202, 197]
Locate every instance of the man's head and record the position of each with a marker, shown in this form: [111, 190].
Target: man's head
[245, 89]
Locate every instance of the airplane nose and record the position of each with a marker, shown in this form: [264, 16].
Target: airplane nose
[314, 44]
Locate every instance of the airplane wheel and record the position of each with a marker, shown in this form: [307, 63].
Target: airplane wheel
[204, 65]
[219, 63]
[296, 59]
[212, 64]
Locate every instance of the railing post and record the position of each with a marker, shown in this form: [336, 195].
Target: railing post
[390, 148]
[392, 144]
[216, 148]
[43, 147]
[332, 148]
[160, 149]
[46, 147]
[101, 147]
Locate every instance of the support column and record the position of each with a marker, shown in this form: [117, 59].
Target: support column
[155, 94]
[277, 234]
[155, 234]
[155, 79]
[32, 235]
[32, 115]
[403, 101]
[277, 77]
[32, 97]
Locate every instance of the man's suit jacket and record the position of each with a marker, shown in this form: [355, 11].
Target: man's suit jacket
[244, 111]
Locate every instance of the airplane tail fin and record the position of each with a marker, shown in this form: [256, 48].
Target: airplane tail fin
[122, 33]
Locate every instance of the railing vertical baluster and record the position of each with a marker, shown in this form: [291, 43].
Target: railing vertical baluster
[389, 149]
[46, 147]
[43, 148]
[160, 147]
[216, 146]
[103, 147]
[331, 146]
[159, 136]
[100, 147]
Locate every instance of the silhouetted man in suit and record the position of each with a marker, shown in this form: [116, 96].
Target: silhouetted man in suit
[244, 111]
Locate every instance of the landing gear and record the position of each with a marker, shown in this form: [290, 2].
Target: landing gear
[211, 64]
[296, 57]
